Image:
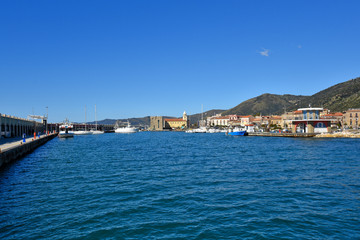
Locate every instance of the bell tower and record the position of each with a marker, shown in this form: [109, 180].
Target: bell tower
[185, 116]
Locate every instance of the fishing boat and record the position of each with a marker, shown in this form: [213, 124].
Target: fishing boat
[127, 129]
[66, 130]
[237, 132]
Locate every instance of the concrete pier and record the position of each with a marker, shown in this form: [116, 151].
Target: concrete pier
[14, 150]
[267, 134]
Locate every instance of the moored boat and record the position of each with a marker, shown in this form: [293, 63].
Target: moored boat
[66, 130]
[237, 132]
[82, 132]
[85, 131]
[96, 131]
[127, 129]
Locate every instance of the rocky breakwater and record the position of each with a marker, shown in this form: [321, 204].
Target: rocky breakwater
[339, 135]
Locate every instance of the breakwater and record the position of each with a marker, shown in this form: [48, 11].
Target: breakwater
[19, 149]
[268, 134]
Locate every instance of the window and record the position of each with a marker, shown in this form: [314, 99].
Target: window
[350, 114]
[304, 114]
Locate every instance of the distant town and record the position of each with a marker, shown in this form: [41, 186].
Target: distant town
[304, 120]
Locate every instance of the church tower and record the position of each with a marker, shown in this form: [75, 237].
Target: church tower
[185, 118]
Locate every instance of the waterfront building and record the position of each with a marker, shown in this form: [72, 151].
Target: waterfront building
[11, 126]
[177, 123]
[250, 127]
[309, 121]
[157, 123]
[245, 120]
[336, 119]
[351, 118]
[219, 121]
[275, 120]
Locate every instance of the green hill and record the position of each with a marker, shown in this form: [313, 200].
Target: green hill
[196, 117]
[266, 104]
[337, 98]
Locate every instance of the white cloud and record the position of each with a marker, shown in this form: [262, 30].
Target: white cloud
[265, 52]
[299, 46]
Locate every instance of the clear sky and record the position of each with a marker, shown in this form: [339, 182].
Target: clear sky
[139, 58]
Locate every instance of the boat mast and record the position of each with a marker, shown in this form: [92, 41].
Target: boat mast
[85, 117]
[202, 115]
[95, 119]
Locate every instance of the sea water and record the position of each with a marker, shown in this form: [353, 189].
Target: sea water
[173, 185]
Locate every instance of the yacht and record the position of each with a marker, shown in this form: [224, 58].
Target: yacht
[66, 130]
[127, 129]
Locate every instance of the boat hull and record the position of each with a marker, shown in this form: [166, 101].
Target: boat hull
[126, 130]
[82, 132]
[97, 132]
[66, 135]
[238, 133]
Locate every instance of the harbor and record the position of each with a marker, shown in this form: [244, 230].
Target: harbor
[179, 120]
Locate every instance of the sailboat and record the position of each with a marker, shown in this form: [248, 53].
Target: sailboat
[96, 131]
[83, 132]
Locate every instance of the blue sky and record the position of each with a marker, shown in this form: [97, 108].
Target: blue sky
[140, 58]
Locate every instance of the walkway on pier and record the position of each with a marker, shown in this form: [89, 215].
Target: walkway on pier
[12, 150]
[9, 143]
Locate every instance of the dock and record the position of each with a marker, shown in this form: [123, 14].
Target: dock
[294, 135]
[13, 150]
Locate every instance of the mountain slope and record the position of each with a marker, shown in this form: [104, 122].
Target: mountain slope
[337, 98]
[266, 104]
[196, 117]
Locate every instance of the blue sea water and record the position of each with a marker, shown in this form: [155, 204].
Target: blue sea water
[171, 185]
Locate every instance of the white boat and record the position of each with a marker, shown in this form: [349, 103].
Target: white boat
[127, 129]
[66, 130]
[197, 130]
[96, 131]
[213, 130]
[83, 132]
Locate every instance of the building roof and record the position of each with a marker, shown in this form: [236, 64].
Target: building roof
[353, 110]
[174, 119]
[310, 109]
[222, 117]
[338, 114]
